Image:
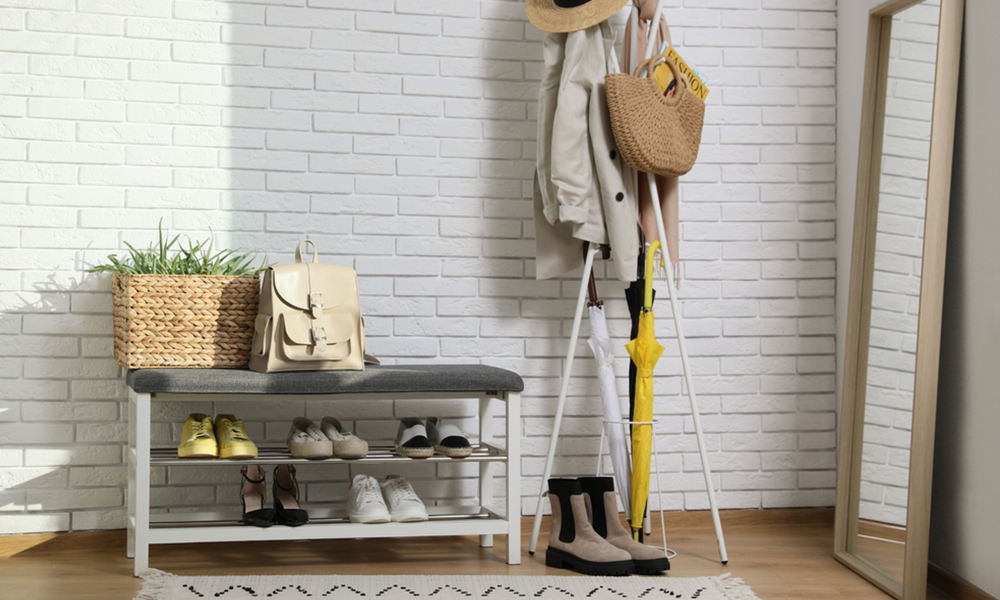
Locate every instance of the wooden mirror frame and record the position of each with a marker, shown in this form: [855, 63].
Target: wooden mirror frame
[914, 583]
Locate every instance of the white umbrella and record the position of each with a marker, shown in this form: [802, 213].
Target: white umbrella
[600, 343]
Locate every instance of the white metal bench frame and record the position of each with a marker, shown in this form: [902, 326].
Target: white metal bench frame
[484, 520]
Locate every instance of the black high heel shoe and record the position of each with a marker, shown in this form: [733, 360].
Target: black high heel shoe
[253, 492]
[286, 497]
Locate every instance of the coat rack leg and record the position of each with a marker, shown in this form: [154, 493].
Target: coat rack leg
[554, 439]
[688, 380]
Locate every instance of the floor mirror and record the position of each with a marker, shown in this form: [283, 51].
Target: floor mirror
[896, 290]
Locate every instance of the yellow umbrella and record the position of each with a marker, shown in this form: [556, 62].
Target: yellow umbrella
[645, 351]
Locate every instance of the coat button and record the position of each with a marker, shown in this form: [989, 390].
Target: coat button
[614, 155]
[619, 196]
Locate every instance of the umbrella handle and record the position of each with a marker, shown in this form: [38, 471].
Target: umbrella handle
[592, 285]
[647, 302]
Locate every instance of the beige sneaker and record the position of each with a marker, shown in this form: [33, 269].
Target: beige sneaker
[198, 438]
[345, 443]
[233, 440]
[305, 440]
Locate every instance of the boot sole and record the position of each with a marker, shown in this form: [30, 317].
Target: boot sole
[461, 452]
[198, 451]
[651, 566]
[238, 452]
[311, 451]
[561, 559]
[415, 452]
[369, 518]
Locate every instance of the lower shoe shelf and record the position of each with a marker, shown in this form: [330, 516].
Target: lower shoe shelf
[176, 528]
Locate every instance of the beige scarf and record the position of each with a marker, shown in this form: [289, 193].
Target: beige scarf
[667, 187]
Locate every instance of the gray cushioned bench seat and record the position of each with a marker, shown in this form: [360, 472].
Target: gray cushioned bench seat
[374, 379]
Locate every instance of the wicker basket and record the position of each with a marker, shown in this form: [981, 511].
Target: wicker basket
[655, 134]
[197, 321]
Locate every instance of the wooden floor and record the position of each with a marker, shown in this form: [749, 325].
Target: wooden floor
[779, 553]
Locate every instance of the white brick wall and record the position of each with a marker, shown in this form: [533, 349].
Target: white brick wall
[896, 281]
[399, 134]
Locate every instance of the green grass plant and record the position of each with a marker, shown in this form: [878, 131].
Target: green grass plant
[171, 257]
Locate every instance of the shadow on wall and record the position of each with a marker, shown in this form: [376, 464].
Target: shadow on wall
[73, 430]
[413, 168]
[420, 182]
[405, 154]
[63, 410]
[948, 548]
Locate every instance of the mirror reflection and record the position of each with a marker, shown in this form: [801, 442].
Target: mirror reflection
[896, 287]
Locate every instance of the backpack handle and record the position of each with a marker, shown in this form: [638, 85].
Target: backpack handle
[298, 251]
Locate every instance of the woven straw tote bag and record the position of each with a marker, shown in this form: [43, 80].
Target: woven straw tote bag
[655, 134]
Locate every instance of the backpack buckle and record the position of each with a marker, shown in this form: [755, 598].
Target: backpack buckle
[316, 304]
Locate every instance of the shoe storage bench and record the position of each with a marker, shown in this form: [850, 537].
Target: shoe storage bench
[397, 382]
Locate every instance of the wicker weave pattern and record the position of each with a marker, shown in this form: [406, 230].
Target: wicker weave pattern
[654, 134]
[184, 320]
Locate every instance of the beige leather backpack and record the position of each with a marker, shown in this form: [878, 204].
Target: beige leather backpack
[309, 318]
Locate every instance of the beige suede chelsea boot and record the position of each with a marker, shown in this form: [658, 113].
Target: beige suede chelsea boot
[603, 511]
[573, 543]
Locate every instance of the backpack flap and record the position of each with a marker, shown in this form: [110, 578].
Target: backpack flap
[307, 339]
[304, 285]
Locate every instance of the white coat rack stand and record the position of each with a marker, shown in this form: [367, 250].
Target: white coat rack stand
[564, 388]
[678, 328]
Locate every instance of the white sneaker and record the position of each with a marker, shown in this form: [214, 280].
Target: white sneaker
[364, 501]
[404, 505]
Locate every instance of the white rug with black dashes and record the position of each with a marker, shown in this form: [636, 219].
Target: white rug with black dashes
[165, 586]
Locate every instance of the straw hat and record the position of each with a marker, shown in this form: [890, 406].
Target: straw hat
[560, 16]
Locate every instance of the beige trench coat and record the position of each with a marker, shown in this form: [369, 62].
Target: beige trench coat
[584, 191]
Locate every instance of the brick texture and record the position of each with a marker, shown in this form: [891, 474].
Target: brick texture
[399, 134]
